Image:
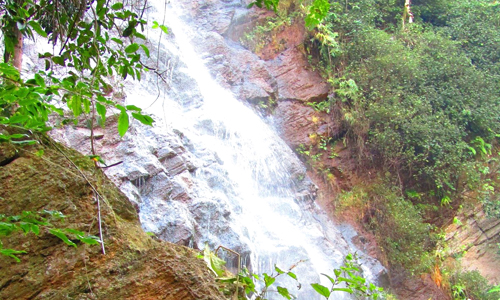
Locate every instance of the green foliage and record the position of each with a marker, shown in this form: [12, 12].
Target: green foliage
[349, 276]
[416, 101]
[317, 12]
[91, 54]
[471, 285]
[214, 263]
[399, 229]
[475, 25]
[33, 222]
[269, 4]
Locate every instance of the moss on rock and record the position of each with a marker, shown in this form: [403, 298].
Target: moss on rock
[135, 265]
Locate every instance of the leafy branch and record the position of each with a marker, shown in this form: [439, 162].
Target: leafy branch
[35, 222]
[346, 275]
[346, 278]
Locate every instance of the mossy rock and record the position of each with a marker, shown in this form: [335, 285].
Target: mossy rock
[135, 266]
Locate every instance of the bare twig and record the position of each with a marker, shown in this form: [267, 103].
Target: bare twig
[99, 220]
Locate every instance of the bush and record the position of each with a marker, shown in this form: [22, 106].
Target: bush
[471, 285]
[399, 228]
[420, 103]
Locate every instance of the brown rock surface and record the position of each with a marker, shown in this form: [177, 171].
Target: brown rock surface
[296, 122]
[296, 81]
[135, 266]
[476, 238]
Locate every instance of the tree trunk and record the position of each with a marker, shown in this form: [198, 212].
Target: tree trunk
[17, 59]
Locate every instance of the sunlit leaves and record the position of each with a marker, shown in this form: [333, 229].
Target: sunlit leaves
[268, 280]
[60, 234]
[123, 123]
[34, 222]
[269, 4]
[321, 289]
[213, 262]
[12, 253]
[144, 119]
[162, 27]
[36, 27]
[117, 6]
[101, 111]
[92, 49]
[132, 48]
[317, 12]
[284, 292]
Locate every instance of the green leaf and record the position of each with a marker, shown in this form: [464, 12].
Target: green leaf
[25, 142]
[11, 252]
[101, 110]
[39, 80]
[146, 50]
[322, 290]
[7, 228]
[213, 262]
[55, 214]
[60, 234]
[59, 60]
[86, 105]
[132, 48]
[337, 272]
[330, 278]
[29, 227]
[278, 269]
[75, 105]
[87, 239]
[347, 290]
[133, 107]
[39, 153]
[144, 119]
[292, 275]
[123, 123]
[117, 6]
[164, 28]
[284, 292]
[268, 280]
[118, 41]
[140, 35]
[36, 27]
[345, 280]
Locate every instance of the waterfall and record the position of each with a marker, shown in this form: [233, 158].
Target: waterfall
[212, 171]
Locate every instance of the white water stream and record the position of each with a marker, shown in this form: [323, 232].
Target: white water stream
[252, 177]
[243, 189]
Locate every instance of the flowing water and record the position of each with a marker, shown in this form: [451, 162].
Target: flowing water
[225, 177]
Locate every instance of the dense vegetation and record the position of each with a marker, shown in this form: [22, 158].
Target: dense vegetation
[418, 100]
[415, 93]
[423, 98]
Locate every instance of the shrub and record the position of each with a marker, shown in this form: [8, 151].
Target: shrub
[471, 285]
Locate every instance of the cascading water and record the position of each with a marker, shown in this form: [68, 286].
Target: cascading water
[212, 171]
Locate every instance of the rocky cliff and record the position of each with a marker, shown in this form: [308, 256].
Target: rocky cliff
[135, 266]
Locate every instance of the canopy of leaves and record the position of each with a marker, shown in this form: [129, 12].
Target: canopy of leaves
[106, 42]
[422, 93]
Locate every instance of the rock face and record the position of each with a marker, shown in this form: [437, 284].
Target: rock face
[135, 266]
[475, 239]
